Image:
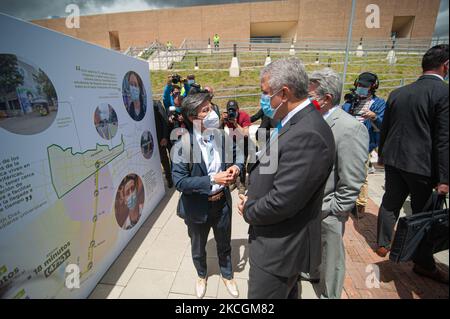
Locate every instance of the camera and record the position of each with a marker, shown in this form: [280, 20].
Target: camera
[232, 107]
[176, 78]
[175, 116]
[196, 88]
[232, 114]
[353, 99]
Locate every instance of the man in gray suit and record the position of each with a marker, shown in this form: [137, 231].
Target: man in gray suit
[281, 205]
[343, 185]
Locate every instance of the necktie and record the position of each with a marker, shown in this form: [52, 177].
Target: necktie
[276, 131]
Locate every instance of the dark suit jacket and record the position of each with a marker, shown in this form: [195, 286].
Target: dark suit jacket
[161, 121]
[193, 182]
[282, 207]
[414, 136]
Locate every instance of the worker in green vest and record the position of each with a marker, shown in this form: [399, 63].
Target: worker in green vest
[216, 40]
[169, 46]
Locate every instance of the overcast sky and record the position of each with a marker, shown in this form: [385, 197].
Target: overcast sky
[39, 9]
[442, 21]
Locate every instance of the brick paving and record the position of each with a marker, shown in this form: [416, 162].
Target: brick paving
[397, 281]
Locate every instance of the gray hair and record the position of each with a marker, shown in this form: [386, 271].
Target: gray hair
[192, 102]
[328, 82]
[289, 72]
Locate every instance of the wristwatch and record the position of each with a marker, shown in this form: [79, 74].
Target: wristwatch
[212, 180]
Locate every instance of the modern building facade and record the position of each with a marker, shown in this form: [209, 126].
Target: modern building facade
[296, 19]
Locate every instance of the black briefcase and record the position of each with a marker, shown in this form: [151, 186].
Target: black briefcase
[411, 230]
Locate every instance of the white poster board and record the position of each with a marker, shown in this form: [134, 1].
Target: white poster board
[79, 164]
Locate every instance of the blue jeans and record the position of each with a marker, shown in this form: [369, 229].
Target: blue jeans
[219, 219]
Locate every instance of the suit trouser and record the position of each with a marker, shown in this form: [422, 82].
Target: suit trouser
[398, 185]
[332, 269]
[264, 285]
[219, 219]
[363, 196]
[165, 161]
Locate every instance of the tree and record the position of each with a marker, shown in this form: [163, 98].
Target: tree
[47, 87]
[10, 77]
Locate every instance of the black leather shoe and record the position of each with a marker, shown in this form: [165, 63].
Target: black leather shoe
[436, 274]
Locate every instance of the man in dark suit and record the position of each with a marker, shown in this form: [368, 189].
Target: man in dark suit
[414, 150]
[162, 132]
[284, 202]
[202, 170]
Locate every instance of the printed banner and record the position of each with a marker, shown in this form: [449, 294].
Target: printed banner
[79, 164]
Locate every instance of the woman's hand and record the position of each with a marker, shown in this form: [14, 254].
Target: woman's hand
[224, 178]
[234, 171]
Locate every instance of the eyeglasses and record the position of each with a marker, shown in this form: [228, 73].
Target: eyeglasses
[175, 94]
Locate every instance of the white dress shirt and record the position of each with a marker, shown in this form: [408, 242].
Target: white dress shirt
[215, 166]
[437, 75]
[330, 111]
[291, 114]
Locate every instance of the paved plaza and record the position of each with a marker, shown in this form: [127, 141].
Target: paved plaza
[157, 262]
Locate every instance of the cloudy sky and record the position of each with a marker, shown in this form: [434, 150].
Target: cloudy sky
[39, 9]
[442, 21]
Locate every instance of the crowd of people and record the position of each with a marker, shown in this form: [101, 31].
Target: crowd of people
[297, 213]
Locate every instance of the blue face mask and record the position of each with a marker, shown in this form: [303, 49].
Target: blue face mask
[266, 105]
[132, 201]
[190, 82]
[362, 91]
[135, 93]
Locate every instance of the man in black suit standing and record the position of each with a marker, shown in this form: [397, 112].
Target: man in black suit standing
[162, 131]
[284, 201]
[414, 150]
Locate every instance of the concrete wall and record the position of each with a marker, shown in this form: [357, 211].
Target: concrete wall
[315, 19]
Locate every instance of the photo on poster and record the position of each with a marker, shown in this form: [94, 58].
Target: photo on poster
[105, 121]
[147, 144]
[28, 99]
[129, 201]
[134, 95]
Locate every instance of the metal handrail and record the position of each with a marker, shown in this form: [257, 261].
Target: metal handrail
[401, 81]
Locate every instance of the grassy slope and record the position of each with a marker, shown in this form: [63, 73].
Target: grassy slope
[407, 67]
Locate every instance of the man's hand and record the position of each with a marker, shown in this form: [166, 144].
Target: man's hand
[234, 171]
[241, 206]
[223, 178]
[164, 142]
[225, 115]
[370, 115]
[442, 189]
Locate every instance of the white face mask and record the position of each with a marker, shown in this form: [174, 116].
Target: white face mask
[211, 121]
